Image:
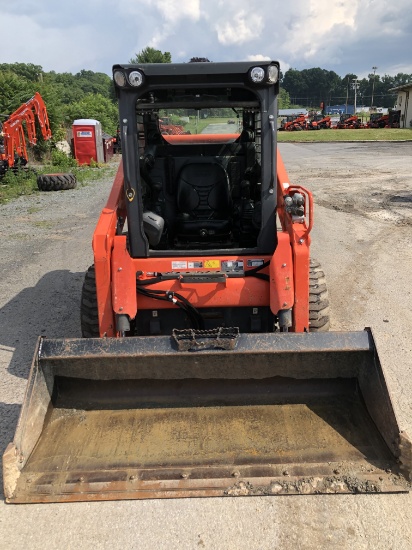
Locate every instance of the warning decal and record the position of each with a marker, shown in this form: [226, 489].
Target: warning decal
[179, 265]
[212, 264]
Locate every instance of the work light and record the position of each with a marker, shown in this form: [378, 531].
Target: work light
[136, 78]
[257, 74]
[273, 74]
[120, 78]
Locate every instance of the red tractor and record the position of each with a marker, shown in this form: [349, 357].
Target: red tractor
[296, 123]
[13, 150]
[319, 122]
[349, 122]
[206, 367]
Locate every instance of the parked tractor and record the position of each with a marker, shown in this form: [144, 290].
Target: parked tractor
[13, 149]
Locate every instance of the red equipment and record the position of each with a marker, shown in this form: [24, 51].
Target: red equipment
[389, 120]
[319, 122]
[296, 124]
[14, 151]
[205, 367]
[349, 122]
[167, 128]
[88, 141]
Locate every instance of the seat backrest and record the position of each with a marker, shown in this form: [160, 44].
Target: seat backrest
[203, 190]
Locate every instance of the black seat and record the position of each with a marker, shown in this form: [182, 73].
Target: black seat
[204, 202]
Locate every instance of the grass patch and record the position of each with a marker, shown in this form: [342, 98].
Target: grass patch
[33, 209]
[16, 183]
[363, 134]
[43, 224]
[196, 127]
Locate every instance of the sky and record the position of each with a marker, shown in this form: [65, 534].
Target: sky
[345, 36]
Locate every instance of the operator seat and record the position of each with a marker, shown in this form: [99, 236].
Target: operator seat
[204, 202]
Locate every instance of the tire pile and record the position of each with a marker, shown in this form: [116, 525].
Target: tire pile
[56, 182]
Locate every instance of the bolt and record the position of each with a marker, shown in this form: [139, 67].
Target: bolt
[283, 265]
[235, 474]
[285, 472]
[336, 471]
[285, 304]
[184, 475]
[29, 481]
[81, 479]
[120, 269]
[120, 308]
[301, 241]
[132, 478]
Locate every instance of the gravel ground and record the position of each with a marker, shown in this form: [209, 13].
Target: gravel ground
[362, 236]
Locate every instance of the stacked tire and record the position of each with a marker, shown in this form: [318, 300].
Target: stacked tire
[56, 182]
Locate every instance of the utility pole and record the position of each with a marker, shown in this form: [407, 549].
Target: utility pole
[373, 84]
[355, 85]
[347, 96]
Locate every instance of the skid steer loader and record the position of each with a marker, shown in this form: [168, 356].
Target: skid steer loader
[206, 367]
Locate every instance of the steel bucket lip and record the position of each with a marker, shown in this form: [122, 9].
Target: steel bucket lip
[261, 354]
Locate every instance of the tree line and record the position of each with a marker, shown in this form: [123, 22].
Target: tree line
[89, 94]
[310, 87]
[67, 96]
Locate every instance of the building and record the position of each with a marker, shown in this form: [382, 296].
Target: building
[292, 112]
[404, 104]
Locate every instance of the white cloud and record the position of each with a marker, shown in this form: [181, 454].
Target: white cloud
[169, 11]
[341, 35]
[63, 50]
[257, 57]
[244, 27]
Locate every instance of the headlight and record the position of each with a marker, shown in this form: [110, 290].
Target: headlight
[273, 74]
[136, 78]
[257, 74]
[120, 78]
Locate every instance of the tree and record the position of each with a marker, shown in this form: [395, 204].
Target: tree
[15, 90]
[295, 84]
[284, 99]
[31, 72]
[150, 55]
[94, 106]
[199, 60]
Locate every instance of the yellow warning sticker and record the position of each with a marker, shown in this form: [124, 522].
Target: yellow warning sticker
[210, 264]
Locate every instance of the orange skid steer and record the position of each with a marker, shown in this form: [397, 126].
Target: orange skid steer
[206, 367]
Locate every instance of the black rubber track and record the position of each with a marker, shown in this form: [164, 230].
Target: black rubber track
[89, 316]
[318, 299]
[56, 182]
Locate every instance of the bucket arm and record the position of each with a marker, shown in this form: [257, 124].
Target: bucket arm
[13, 132]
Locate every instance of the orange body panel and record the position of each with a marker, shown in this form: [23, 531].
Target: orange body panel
[116, 271]
[13, 134]
[200, 138]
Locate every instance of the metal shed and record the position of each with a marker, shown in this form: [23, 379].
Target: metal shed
[404, 104]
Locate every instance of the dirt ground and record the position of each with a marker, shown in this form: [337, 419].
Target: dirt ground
[362, 236]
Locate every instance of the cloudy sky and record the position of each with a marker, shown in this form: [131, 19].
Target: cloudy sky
[346, 36]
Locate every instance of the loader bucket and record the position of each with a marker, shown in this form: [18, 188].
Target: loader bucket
[135, 418]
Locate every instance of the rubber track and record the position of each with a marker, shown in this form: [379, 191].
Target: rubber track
[56, 182]
[89, 316]
[318, 299]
